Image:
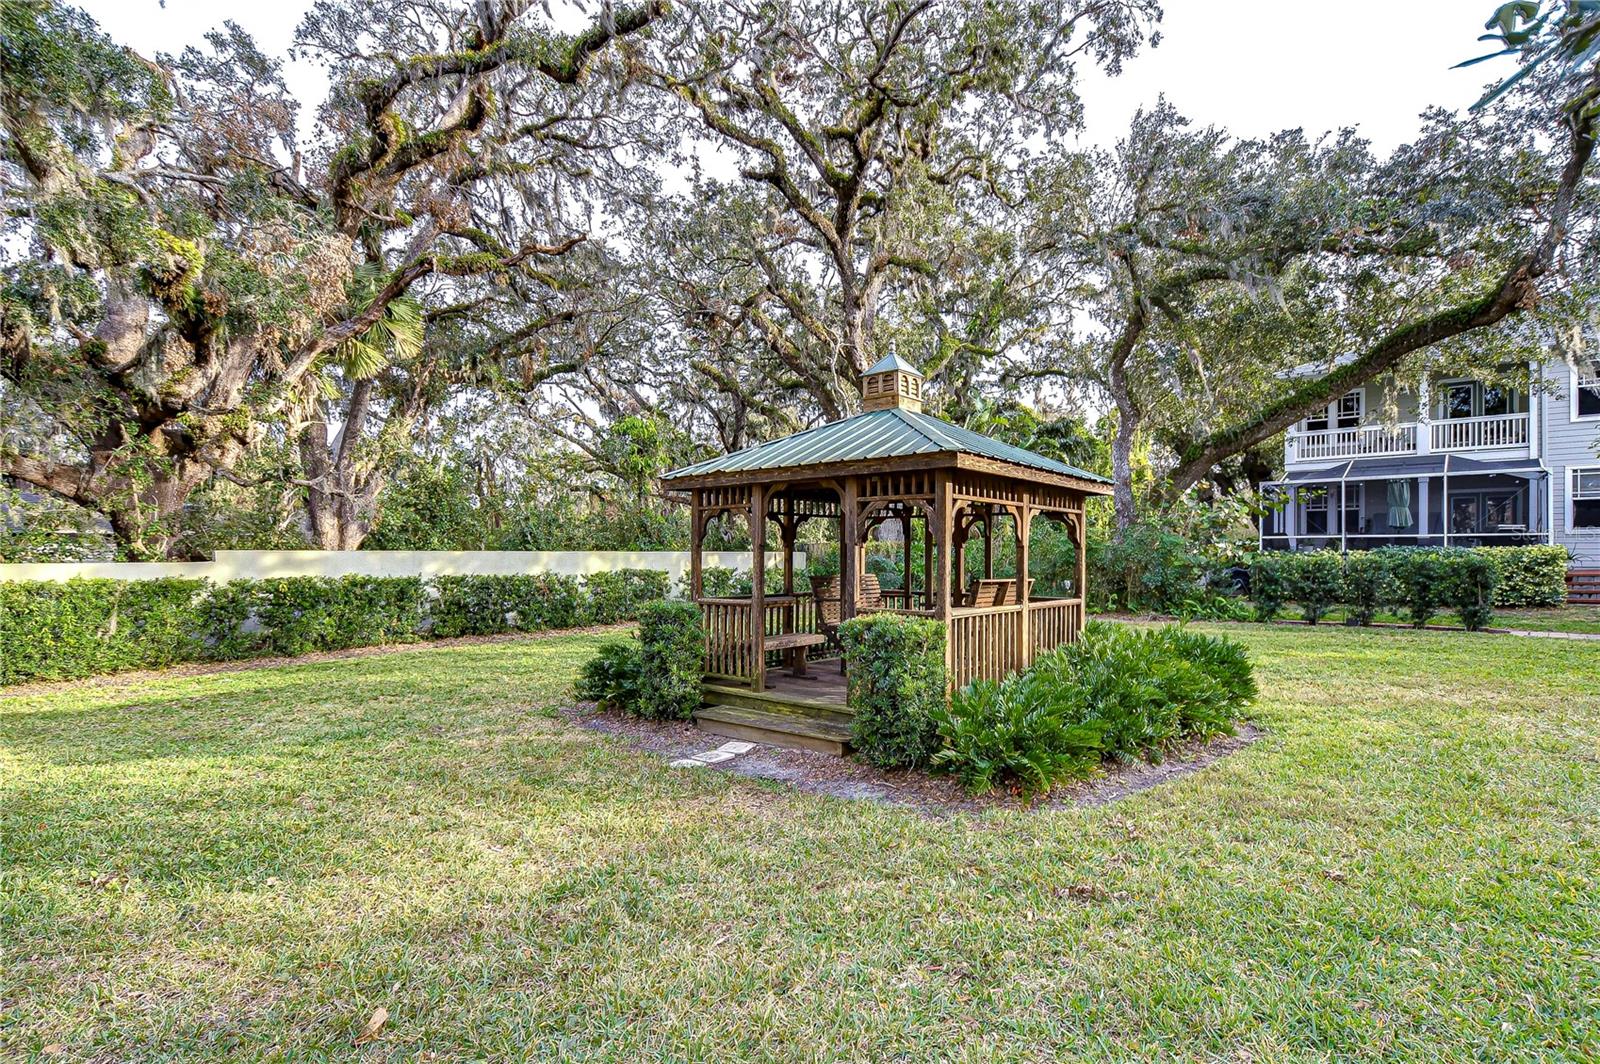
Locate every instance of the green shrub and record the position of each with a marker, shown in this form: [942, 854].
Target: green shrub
[1530, 577]
[1146, 567]
[80, 628]
[1028, 730]
[1269, 585]
[62, 631]
[1418, 581]
[614, 677]
[616, 596]
[672, 659]
[486, 605]
[1315, 580]
[1469, 580]
[1117, 692]
[1214, 606]
[1368, 585]
[897, 683]
[303, 614]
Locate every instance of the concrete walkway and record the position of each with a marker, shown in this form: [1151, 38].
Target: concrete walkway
[1544, 635]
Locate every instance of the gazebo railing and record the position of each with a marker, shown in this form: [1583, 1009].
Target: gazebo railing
[730, 643]
[986, 642]
[1052, 622]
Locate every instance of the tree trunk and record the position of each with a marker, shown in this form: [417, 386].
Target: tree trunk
[1124, 506]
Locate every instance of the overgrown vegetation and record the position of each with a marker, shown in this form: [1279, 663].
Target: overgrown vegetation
[1117, 693]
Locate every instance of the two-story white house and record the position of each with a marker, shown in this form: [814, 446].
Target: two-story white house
[1455, 462]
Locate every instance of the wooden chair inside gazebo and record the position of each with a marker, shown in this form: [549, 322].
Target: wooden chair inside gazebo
[891, 465]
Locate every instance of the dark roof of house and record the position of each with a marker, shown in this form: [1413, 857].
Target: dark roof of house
[1414, 465]
[894, 433]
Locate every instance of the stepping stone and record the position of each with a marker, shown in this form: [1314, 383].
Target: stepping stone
[738, 746]
[686, 762]
[712, 757]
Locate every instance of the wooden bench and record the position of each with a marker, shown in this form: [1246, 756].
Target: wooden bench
[794, 644]
[990, 592]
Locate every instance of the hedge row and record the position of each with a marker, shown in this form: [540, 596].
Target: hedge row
[60, 631]
[1414, 581]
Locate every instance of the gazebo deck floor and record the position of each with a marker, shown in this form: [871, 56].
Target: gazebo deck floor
[804, 712]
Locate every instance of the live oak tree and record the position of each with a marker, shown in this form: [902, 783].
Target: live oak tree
[1208, 266]
[195, 276]
[863, 135]
[1536, 131]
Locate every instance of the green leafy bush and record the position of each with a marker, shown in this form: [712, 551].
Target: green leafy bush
[616, 596]
[1315, 580]
[487, 605]
[1028, 730]
[1147, 567]
[1269, 584]
[1469, 579]
[1530, 577]
[83, 627]
[62, 631]
[1214, 606]
[897, 683]
[1368, 585]
[614, 677]
[1117, 692]
[1418, 581]
[672, 659]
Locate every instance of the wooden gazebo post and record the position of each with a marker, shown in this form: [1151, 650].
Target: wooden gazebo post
[944, 520]
[849, 538]
[1024, 629]
[758, 586]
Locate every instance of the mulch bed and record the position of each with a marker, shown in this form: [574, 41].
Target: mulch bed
[208, 668]
[846, 777]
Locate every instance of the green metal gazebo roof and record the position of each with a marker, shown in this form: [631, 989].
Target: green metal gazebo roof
[894, 433]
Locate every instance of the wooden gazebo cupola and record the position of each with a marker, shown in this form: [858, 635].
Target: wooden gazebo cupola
[890, 465]
[892, 383]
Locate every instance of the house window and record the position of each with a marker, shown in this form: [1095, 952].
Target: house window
[1348, 409]
[1496, 401]
[1586, 498]
[1459, 399]
[1315, 503]
[1586, 390]
[1318, 421]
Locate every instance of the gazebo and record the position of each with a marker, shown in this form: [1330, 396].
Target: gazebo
[767, 676]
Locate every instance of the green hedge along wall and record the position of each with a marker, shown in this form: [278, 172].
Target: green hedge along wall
[61, 631]
[1417, 581]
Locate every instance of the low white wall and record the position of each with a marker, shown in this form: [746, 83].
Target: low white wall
[266, 564]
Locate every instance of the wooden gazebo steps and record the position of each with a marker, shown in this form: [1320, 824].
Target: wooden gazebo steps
[775, 729]
[778, 719]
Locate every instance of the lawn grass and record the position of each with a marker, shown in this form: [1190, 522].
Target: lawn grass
[243, 866]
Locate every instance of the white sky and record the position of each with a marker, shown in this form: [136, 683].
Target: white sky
[1251, 68]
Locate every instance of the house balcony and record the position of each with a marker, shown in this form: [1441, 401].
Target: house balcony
[1495, 431]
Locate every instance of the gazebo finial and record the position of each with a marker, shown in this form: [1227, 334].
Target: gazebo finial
[892, 383]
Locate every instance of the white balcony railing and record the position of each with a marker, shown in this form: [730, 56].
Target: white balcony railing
[1352, 443]
[1472, 433]
[1454, 434]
